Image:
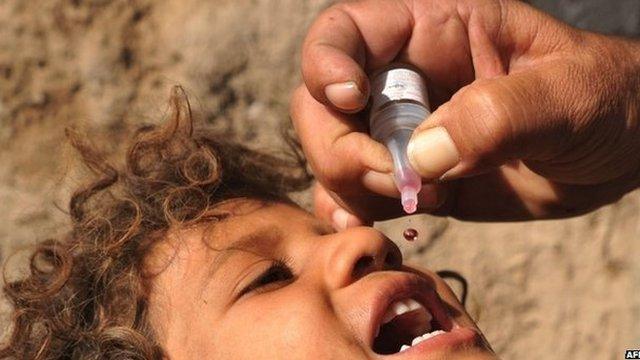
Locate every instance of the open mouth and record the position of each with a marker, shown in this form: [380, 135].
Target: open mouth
[407, 323]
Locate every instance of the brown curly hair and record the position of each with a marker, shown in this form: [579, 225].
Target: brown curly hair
[85, 296]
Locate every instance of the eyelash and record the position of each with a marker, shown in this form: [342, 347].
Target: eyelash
[263, 282]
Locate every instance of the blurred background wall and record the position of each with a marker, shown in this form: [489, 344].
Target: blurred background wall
[543, 290]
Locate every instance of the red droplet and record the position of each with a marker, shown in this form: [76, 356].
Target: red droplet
[410, 234]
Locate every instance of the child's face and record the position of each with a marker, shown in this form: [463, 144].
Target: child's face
[273, 282]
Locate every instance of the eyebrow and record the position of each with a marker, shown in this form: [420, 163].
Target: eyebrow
[258, 241]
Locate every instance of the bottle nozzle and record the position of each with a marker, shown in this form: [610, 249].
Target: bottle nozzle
[407, 180]
[409, 198]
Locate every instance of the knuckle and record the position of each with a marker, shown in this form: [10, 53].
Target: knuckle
[488, 117]
[329, 176]
[326, 170]
[338, 170]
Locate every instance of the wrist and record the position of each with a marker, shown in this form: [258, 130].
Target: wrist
[633, 106]
[633, 101]
[633, 49]
[617, 87]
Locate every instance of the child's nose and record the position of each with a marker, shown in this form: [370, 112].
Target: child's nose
[357, 252]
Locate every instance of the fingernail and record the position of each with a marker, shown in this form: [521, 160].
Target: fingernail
[340, 217]
[432, 152]
[345, 96]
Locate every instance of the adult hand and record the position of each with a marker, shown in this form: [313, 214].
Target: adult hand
[533, 118]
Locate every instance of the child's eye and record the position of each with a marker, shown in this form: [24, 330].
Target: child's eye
[275, 276]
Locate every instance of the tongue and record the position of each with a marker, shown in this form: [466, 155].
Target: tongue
[411, 324]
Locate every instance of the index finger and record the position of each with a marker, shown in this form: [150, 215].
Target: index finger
[342, 155]
[345, 41]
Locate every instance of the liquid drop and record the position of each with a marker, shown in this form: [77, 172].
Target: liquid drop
[410, 234]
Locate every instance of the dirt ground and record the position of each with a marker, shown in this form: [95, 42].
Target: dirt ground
[542, 290]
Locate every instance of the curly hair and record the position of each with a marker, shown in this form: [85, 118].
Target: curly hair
[85, 295]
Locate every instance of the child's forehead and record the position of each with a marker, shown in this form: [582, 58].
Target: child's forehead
[248, 227]
[238, 219]
[245, 214]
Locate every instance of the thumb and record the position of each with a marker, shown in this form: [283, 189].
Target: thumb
[486, 124]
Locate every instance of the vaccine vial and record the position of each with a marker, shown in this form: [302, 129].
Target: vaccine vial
[399, 103]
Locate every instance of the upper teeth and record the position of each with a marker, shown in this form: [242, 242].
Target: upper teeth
[402, 307]
[421, 338]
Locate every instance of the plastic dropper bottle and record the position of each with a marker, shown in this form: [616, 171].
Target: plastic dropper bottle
[399, 103]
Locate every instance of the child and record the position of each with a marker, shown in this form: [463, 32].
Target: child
[194, 251]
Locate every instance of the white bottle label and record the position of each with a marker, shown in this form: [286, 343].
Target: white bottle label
[398, 84]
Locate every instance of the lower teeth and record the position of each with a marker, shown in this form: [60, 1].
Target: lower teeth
[422, 338]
